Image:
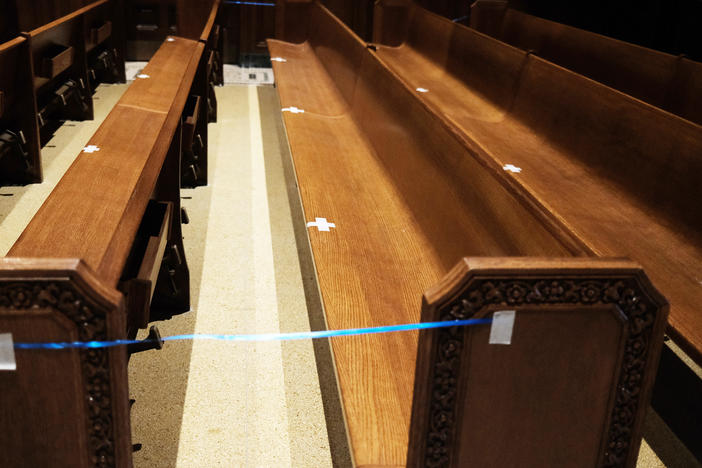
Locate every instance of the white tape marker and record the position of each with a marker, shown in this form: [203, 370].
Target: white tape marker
[7, 353]
[501, 328]
[321, 224]
[512, 168]
[90, 149]
[143, 76]
[170, 39]
[278, 59]
[423, 90]
[293, 109]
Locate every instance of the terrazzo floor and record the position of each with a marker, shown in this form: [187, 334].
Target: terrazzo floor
[214, 404]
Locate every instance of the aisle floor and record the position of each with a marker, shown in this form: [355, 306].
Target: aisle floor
[217, 404]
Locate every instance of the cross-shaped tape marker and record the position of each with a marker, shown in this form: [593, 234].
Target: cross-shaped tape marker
[90, 149]
[321, 224]
[294, 110]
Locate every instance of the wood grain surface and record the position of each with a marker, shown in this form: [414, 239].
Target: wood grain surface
[95, 209]
[618, 172]
[408, 201]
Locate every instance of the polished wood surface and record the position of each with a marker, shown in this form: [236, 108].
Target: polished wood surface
[408, 200]
[576, 140]
[95, 209]
[575, 378]
[659, 78]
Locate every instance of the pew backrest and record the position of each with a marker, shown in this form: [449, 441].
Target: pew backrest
[652, 153]
[576, 365]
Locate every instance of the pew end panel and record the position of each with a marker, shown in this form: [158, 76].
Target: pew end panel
[20, 161]
[579, 369]
[60, 73]
[80, 396]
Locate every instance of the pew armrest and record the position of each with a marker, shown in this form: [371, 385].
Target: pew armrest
[579, 367]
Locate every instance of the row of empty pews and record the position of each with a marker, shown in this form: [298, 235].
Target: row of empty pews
[101, 259]
[48, 73]
[671, 82]
[454, 176]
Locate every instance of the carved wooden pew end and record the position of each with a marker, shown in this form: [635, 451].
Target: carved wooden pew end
[573, 384]
[62, 300]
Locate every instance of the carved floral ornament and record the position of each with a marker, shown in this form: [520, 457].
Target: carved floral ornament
[90, 320]
[627, 294]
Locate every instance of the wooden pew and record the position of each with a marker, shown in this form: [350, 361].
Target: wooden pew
[574, 139]
[19, 134]
[8, 21]
[32, 15]
[101, 258]
[409, 198]
[644, 73]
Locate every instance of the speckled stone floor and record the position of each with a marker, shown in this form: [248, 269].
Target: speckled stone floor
[213, 404]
